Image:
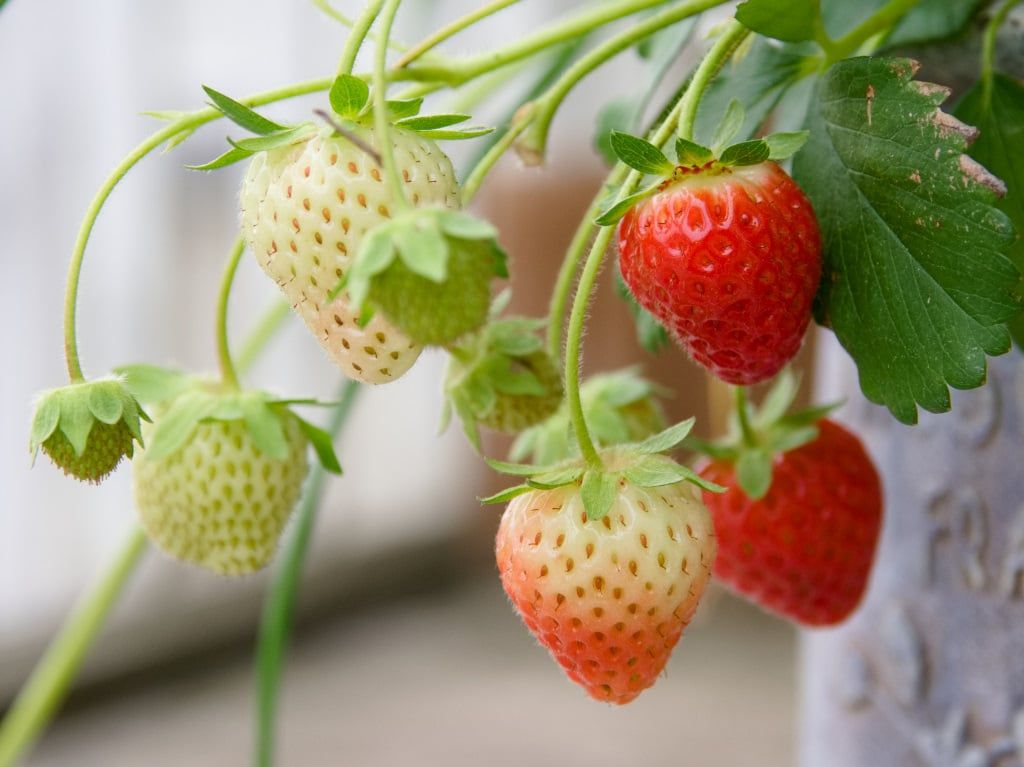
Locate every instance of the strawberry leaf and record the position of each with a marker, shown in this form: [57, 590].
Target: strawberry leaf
[598, 493]
[230, 157]
[150, 383]
[1000, 148]
[431, 122]
[916, 283]
[179, 422]
[932, 20]
[456, 135]
[784, 145]
[690, 153]
[746, 153]
[322, 445]
[640, 154]
[790, 20]
[349, 95]
[241, 115]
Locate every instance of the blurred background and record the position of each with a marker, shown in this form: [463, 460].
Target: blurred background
[406, 650]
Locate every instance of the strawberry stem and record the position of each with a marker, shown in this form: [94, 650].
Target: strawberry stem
[357, 34]
[227, 365]
[720, 52]
[450, 30]
[381, 124]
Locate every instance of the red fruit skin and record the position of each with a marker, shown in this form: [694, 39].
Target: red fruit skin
[729, 262]
[805, 550]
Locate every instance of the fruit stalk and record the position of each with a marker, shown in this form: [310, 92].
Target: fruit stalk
[730, 39]
[381, 124]
[227, 365]
[356, 36]
[450, 30]
[45, 689]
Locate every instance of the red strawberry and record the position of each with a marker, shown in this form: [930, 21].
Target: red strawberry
[728, 259]
[609, 598]
[806, 548]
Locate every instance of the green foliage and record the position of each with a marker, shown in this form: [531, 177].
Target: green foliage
[349, 96]
[1000, 148]
[933, 20]
[750, 152]
[789, 20]
[916, 282]
[242, 115]
[639, 154]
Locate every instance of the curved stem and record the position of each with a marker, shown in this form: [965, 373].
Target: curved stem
[459, 71]
[356, 36]
[549, 103]
[279, 607]
[345, 21]
[716, 57]
[50, 679]
[988, 48]
[449, 30]
[227, 367]
[382, 127]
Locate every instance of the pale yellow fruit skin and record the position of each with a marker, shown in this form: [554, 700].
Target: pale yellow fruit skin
[305, 210]
[219, 502]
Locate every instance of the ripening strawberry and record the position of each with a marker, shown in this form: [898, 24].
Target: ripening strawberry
[608, 598]
[727, 258]
[219, 501]
[305, 210]
[806, 548]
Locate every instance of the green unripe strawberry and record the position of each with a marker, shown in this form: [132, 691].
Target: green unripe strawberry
[511, 413]
[87, 428]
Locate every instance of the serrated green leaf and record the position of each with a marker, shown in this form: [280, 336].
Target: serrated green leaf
[690, 153]
[105, 402]
[640, 154]
[44, 419]
[1000, 148]
[598, 493]
[179, 423]
[264, 425]
[322, 445]
[399, 109]
[242, 115]
[754, 473]
[745, 153]
[150, 383]
[431, 122]
[790, 20]
[916, 283]
[656, 471]
[475, 131]
[424, 250]
[507, 494]
[784, 145]
[274, 140]
[616, 210]
[464, 226]
[349, 95]
[230, 157]
[728, 127]
[667, 439]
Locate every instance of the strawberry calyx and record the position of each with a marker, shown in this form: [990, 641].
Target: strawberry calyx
[428, 271]
[757, 436]
[643, 464]
[501, 377]
[352, 110]
[86, 428]
[620, 407]
[183, 401]
[693, 160]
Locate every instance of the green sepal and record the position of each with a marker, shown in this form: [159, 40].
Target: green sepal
[518, 469]
[431, 122]
[640, 154]
[667, 439]
[754, 472]
[464, 226]
[44, 420]
[230, 157]
[617, 208]
[557, 477]
[153, 384]
[263, 424]
[750, 152]
[322, 445]
[105, 404]
[729, 126]
[177, 425]
[399, 109]
[423, 249]
[242, 115]
[75, 408]
[598, 492]
[690, 153]
[507, 494]
[784, 145]
[348, 95]
[462, 134]
[275, 140]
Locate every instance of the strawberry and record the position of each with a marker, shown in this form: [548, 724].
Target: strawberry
[305, 210]
[798, 525]
[608, 598]
[728, 259]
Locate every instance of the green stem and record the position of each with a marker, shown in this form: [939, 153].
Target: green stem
[227, 366]
[881, 21]
[279, 607]
[345, 21]
[47, 686]
[185, 124]
[743, 416]
[988, 49]
[382, 127]
[450, 30]
[549, 103]
[459, 71]
[357, 34]
[716, 57]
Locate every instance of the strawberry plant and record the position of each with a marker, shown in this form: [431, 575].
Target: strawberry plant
[799, 172]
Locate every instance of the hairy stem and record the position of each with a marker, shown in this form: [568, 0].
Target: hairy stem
[357, 34]
[51, 678]
[279, 606]
[227, 366]
[716, 57]
[381, 124]
[449, 30]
